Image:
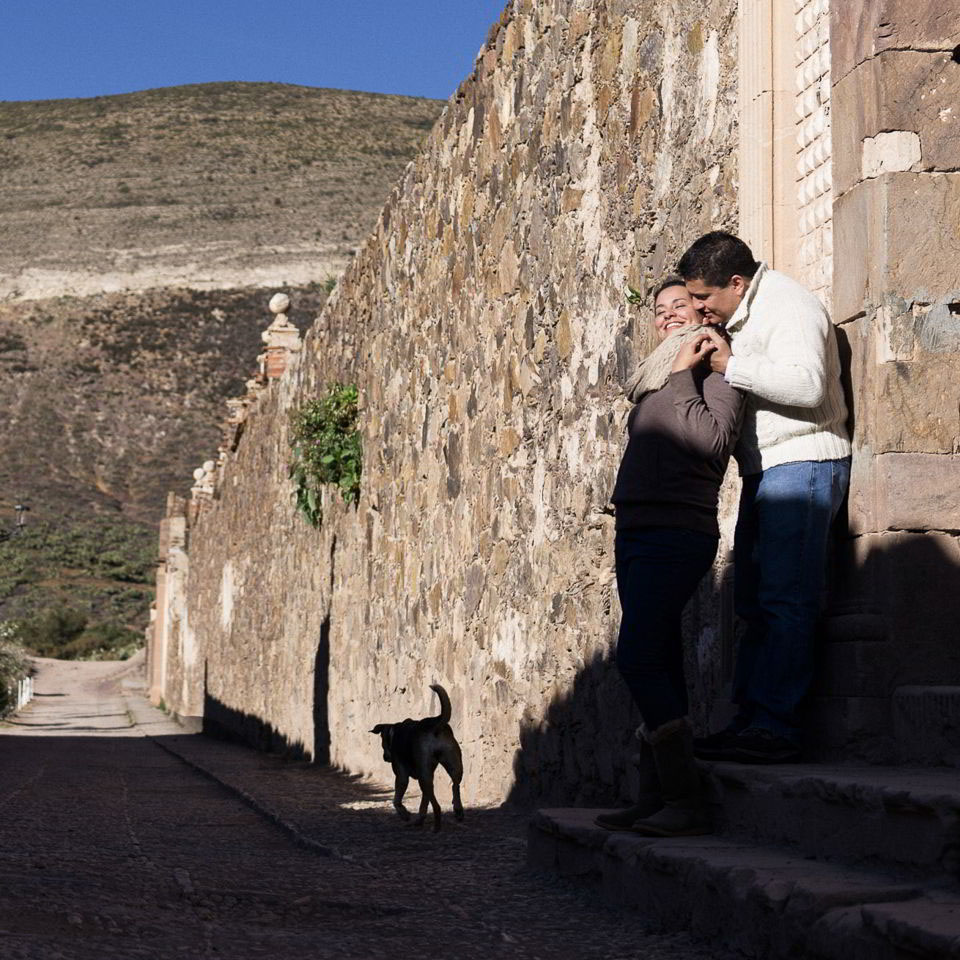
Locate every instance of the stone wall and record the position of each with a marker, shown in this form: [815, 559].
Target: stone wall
[485, 324]
[891, 671]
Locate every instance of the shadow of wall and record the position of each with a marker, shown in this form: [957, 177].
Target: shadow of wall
[888, 669]
[321, 691]
[579, 752]
[236, 726]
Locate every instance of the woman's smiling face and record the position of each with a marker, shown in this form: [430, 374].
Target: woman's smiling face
[673, 310]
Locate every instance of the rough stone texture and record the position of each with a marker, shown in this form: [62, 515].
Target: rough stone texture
[763, 901]
[906, 577]
[123, 838]
[896, 298]
[890, 247]
[903, 818]
[868, 28]
[890, 152]
[905, 91]
[485, 324]
[927, 724]
[918, 491]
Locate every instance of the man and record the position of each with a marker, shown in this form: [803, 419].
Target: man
[794, 457]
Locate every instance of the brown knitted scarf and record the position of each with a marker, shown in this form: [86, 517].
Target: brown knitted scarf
[654, 371]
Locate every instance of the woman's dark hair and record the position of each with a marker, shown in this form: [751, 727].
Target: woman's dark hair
[669, 282]
[715, 258]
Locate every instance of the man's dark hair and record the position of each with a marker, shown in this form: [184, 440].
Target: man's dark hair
[715, 258]
[669, 282]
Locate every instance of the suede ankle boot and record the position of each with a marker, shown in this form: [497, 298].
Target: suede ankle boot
[684, 812]
[649, 800]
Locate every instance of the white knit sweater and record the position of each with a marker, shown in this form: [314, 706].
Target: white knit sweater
[785, 358]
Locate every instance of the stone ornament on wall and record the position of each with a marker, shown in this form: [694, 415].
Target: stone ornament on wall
[282, 340]
[814, 146]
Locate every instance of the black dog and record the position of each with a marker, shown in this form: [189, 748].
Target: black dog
[414, 748]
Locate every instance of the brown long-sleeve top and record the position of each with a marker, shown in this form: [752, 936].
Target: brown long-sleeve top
[680, 440]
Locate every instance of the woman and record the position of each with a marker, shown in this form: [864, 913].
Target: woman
[681, 432]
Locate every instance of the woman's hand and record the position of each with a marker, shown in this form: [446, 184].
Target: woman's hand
[692, 353]
[721, 352]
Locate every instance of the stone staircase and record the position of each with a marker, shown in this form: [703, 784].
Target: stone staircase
[819, 861]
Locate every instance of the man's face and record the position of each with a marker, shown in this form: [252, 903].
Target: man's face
[718, 304]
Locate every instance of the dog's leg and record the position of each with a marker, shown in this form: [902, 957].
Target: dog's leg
[453, 764]
[428, 797]
[399, 789]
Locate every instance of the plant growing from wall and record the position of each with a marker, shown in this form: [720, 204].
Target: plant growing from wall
[326, 449]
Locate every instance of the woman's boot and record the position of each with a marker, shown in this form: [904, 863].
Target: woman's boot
[684, 812]
[649, 800]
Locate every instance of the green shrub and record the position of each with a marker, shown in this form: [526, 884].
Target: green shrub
[66, 634]
[326, 450]
[13, 667]
[49, 632]
[105, 641]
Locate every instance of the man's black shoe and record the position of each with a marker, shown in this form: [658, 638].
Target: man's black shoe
[756, 745]
[716, 746]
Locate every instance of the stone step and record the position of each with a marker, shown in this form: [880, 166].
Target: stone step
[907, 819]
[762, 900]
[926, 724]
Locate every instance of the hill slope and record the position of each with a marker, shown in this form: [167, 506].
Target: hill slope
[216, 185]
[140, 239]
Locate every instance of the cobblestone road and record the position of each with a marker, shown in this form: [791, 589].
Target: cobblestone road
[122, 837]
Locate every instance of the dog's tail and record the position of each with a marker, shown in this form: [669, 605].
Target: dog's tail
[444, 703]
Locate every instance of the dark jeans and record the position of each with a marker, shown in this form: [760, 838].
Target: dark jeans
[780, 556]
[658, 568]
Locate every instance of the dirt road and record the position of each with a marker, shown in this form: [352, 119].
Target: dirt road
[122, 837]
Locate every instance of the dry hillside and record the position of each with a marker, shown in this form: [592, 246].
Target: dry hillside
[214, 185]
[140, 239]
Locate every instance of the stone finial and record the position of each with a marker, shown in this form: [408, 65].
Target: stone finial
[279, 303]
[282, 340]
[204, 480]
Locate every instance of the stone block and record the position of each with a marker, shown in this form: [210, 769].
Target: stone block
[761, 900]
[858, 668]
[889, 152]
[896, 235]
[907, 579]
[863, 30]
[918, 928]
[915, 411]
[851, 728]
[861, 516]
[858, 234]
[899, 110]
[900, 817]
[917, 491]
[926, 724]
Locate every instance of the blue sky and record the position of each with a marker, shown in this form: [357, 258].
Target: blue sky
[83, 48]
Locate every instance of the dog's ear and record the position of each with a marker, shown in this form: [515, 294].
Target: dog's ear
[380, 727]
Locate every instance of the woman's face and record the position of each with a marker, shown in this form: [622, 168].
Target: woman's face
[673, 310]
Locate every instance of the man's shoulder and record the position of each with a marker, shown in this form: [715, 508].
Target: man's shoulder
[780, 289]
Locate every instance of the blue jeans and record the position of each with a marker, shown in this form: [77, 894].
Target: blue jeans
[658, 568]
[780, 559]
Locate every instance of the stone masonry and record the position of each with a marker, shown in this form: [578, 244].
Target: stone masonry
[485, 324]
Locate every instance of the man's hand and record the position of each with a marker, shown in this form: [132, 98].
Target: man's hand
[720, 353]
[692, 353]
